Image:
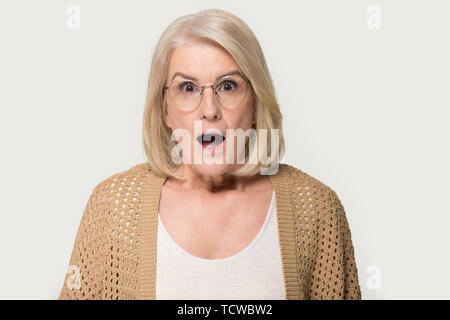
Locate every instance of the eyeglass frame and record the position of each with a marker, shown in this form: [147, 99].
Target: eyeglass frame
[214, 89]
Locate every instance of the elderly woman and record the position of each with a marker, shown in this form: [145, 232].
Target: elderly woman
[175, 227]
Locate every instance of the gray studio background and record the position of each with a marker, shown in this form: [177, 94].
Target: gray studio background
[363, 87]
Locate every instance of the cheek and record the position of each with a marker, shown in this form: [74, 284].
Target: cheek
[243, 117]
[175, 118]
[179, 120]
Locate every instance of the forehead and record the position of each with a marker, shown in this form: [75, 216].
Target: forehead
[203, 60]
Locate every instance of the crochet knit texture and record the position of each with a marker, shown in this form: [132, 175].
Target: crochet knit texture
[114, 255]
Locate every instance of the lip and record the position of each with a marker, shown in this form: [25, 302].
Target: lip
[212, 146]
[212, 131]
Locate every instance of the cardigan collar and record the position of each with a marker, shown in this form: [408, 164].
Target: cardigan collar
[286, 233]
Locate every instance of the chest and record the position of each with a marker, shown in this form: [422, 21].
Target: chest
[213, 227]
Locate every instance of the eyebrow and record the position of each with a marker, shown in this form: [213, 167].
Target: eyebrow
[186, 76]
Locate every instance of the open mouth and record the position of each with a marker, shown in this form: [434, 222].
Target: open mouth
[210, 139]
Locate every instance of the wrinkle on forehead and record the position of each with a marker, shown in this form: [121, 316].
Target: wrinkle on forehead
[212, 62]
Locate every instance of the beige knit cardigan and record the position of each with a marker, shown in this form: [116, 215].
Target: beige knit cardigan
[114, 255]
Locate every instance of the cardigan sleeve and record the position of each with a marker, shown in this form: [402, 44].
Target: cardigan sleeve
[83, 280]
[335, 274]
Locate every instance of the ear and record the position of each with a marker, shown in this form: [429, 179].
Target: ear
[166, 119]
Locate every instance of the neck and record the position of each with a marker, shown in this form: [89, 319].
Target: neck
[209, 184]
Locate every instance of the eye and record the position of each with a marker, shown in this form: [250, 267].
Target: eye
[227, 85]
[187, 87]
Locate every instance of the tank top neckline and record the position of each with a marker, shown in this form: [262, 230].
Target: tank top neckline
[232, 257]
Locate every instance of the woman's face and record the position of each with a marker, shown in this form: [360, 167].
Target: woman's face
[206, 62]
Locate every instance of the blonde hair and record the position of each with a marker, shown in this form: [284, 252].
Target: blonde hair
[231, 33]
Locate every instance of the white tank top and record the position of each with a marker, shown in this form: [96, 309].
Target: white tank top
[253, 273]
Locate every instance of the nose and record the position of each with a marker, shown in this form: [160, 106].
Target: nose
[209, 108]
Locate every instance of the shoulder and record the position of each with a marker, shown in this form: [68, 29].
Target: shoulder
[123, 182]
[310, 194]
[301, 180]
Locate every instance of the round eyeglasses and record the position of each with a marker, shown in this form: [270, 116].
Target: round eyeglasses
[229, 91]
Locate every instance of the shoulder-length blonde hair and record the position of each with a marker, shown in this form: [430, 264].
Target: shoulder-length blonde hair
[234, 36]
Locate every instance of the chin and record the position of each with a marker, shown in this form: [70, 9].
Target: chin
[213, 169]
